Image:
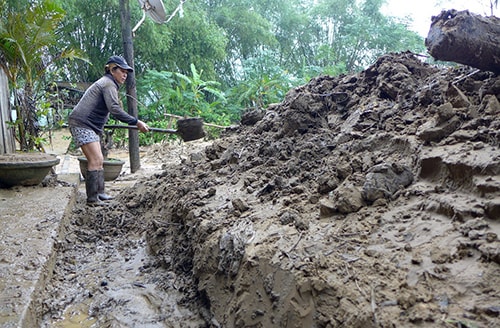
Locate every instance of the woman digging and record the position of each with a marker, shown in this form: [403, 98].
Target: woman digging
[86, 123]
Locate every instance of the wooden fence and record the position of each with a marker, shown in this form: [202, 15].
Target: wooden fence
[7, 140]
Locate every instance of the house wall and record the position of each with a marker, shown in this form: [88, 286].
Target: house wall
[7, 140]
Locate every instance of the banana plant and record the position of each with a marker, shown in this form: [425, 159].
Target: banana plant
[180, 94]
[198, 90]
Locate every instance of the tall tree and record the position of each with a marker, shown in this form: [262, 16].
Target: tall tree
[195, 40]
[246, 30]
[357, 33]
[94, 27]
[324, 35]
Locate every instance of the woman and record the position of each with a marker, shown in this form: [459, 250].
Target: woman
[87, 120]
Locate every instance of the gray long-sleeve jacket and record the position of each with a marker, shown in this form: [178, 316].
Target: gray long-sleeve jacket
[98, 101]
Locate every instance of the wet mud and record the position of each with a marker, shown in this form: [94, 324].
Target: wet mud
[104, 276]
[364, 200]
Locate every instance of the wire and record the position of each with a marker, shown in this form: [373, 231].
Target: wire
[178, 9]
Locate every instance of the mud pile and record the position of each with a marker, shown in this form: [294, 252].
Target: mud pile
[362, 200]
[359, 201]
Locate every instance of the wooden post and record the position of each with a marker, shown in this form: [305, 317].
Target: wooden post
[128, 53]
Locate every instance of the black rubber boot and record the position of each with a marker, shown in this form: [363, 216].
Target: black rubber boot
[100, 189]
[91, 186]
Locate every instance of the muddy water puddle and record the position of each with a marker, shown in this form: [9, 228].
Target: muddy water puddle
[104, 277]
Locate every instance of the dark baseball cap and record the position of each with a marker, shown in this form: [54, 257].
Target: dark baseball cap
[120, 61]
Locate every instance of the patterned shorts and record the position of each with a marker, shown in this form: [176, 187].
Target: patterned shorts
[82, 136]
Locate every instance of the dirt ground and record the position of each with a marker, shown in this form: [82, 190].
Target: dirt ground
[365, 200]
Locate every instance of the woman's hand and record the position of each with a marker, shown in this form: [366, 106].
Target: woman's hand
[143, 127]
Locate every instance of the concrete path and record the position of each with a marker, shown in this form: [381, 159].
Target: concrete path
[30, 225]
[30, 222]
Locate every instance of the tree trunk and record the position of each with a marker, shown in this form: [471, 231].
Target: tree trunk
[28, 126]
[465, 38]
